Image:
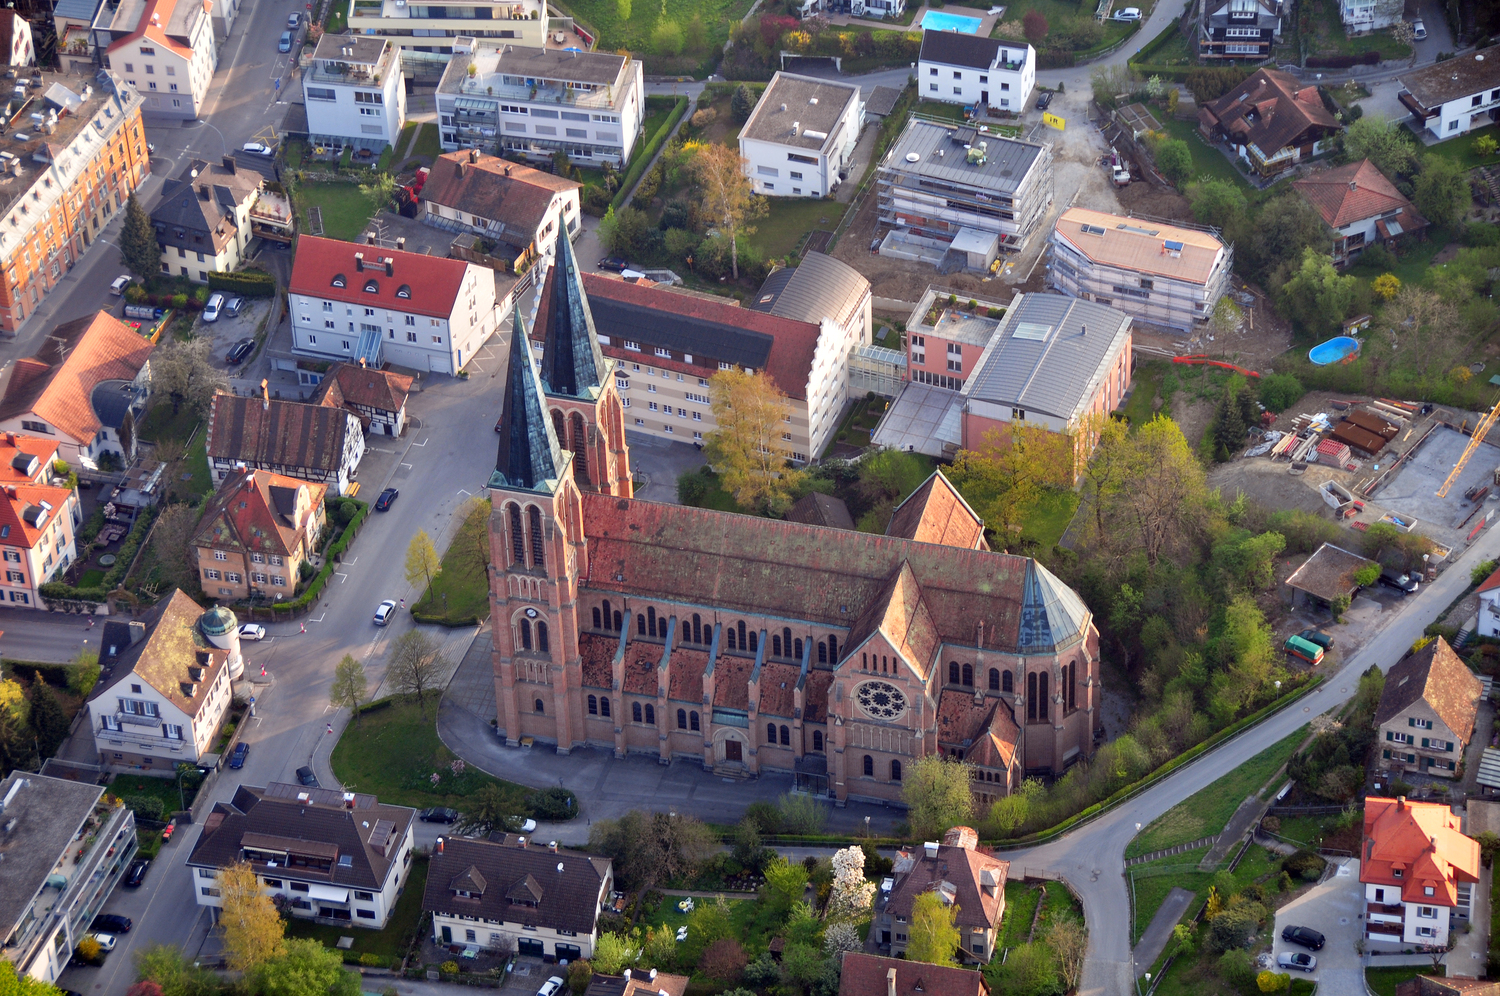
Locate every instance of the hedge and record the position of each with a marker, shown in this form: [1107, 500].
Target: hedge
[1056, 59]
[1343, 61]
[250, 283]
[649, 153]
[330, 559]
[427, 617]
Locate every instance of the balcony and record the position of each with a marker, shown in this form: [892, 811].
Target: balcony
[362, 74]
[499, 10]
[493, 85]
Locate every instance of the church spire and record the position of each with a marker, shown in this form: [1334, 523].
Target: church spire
[572, 365]
[529, 457]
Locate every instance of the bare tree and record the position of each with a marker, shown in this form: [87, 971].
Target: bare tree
[416, 666]
[172, 542]
[184, 370]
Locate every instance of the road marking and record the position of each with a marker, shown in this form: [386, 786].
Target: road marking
[320, 618]
[341, 576]
[422, 443]
[376, 449]
[406, 465]
[351, 562]
[463, 492]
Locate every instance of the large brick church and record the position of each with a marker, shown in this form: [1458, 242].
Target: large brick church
[746, 644]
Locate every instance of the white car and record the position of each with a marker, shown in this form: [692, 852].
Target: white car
[1418, 29]
[121, 282]
[213, 307]
[550, 987]
[258, 149]
[1128, 14]
[385, 611]
[527, 826]
[106, 941]
[252, 631]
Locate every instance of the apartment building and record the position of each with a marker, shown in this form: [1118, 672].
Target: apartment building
[37, 526]
[430, 33]
[667, 345]
[521, 208]
[870, 975]
[91, 375]
[312, 443]
[945, 341]
[958, 68]
[1419, 871]
[522, 98]
[73, 152]
[73, 20]
[163, 48]
[943, 183]
[258, 530]
[1239, 29]
[1168, 275]
[1360, 207]
[801, 135]
[355, 92]
[167, 691]
[352, 302]
[16, 43]
[1455, 96]
[202, 218]
[1426, 714]
[328, 856]
[539, 901]
[965, 877]
[66, 846]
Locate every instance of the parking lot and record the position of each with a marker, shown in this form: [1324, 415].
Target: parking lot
[230, 329]
[1334, 908]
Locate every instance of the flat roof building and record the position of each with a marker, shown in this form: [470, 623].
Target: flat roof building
[801, 135]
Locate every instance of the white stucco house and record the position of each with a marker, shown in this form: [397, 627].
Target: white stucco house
[1455, 96]
[958, 68]
[355, 92]
[801, 135]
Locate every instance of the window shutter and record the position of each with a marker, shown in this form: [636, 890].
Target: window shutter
[1410, 758]
[1389, 735]
[1411, 721]
[1424, 741]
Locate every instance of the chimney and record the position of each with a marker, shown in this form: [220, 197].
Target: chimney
[401, 243]
[930, 848]
[361, 362]
[473, 155]
[440, 845]
[1083, 330]
[369, 238]
[1400, 802]
[625, 975]
[459, 164]
[796, 128]
[390, 267]
[653, 975]
[10, 491]
[552, 846]
[521, 841]
[359, 262]
[265, 395]
[890, 982]
[10, 437]
[203, 191]
[229, 164]
[507, 171]
[348, 800]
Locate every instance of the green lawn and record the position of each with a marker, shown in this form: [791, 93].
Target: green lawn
[91, 578]
[429, 143]
[460, 594]
[1020, 906]
[404, 139]
[1461, 149]
[389, 944]
[1058, 904]
[1149, 382]
[937, 109]
[196, 462]
[1049, 519]
[1258, 865]
[1307, 829]
[634, 33]
[1413, 266]
[159, 423]
[1061, 11]
[791, 218]
[1174, 51]
[164, 789]
[1383, 981]
[338, 17]
[1207, 161]
[346, 211]
[1208, 811]
[1329, 38]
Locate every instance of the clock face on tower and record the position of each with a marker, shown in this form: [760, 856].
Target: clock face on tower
[880, 700]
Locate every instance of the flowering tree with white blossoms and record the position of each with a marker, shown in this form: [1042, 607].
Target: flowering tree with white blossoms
[852, 895]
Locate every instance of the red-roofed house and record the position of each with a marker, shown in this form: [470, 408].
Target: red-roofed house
[89, 374]
[668, 344]
[376, 397]
[512, 203]
[1489, 606]
[26, 459]
[256, 532]
[164, 49]
[351, 302]
[1271, 121]
[37, 522]
[1418, 870]
[871, 975]
[1361, 206]
[965, 877]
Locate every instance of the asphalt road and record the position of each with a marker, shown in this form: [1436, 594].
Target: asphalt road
[45, 637]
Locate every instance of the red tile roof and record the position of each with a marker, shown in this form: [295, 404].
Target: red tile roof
[57, 383]
[598, 653]
[20, 502]
[497, 189]
[937, 513]
[642, 661]
[432, 282]
[1356, 192]
[868, 975]
[1422, 841]
[1435, 675]
[778, 689]
[900, 614]
[349, 386]
[1490, 583]
[14, 453]
[815, 697]
[978, 905]
[285, 433]
[257, 512]
[732, 682]
[685, 680]
[155, 18]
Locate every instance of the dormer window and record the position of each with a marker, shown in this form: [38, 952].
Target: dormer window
[1396, 873]
[372, 287]
[404, 291]
[339, 280]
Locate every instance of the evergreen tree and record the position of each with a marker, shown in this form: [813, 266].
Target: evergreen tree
[47, 719]
[741, 102]
[138, 240]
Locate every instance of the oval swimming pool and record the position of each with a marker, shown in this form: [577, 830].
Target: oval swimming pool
[938, 20]
[1336, 350]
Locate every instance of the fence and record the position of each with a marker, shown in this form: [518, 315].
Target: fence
[1197, 917]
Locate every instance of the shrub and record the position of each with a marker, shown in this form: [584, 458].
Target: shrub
[449, 968]
[249, 283]
[370, 960]
[553, 805]
[1034, 23]
[704, 118]
[1304, 864]
[766, 816]
[1272, 982]
[1482, 571]
[1279, 392]
[145, 807]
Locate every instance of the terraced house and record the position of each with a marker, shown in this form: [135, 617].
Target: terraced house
[740, 644]
[312, 443]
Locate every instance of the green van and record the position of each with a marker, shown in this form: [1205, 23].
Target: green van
[1305, 649]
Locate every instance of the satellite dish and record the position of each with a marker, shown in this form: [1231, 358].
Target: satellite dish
[912, 157]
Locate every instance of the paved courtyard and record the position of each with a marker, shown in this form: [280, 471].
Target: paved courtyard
[1334, 907]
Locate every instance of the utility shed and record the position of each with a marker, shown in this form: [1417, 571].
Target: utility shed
[1489, 784]
[1326, 575]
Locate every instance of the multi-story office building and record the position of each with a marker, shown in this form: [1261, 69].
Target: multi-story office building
[163, 48]
[72, 154]
[800, 136]
[535, 101]
[202, 218]
[939, 182]
[958, 68]
[430, 32]
[356, 92]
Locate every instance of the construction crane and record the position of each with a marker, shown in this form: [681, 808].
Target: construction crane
[1478, 437]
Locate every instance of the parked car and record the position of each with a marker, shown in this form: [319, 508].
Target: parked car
[112, 923]
[237, 758]
[241, 349]
[438, 814]
[137, 873]
[526, 826]
[1305, 936]
[1043, 99]
[387, 499]
[257, 148]
[551, 986]
[1418, 30]
[615, 263]
[106, 942]
[252, 631]
[294, 19]
[120, 283]
[1310, 652]
[213, 307]
[1128, 14]
[1404, 583]
[1300, 960]
[285, 45]
[384, 612]
[233, 305]
[305, 776]
[1317, 636]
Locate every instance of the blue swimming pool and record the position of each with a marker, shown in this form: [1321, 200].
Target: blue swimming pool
[1339, 349]
[937, 20]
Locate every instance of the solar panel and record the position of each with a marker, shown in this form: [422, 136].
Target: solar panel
[1174, 246]
[1138, 231]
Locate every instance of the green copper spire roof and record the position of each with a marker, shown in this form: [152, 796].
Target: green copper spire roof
[572, 365]
[529, 457]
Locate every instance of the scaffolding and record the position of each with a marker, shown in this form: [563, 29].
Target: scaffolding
[1147, 296]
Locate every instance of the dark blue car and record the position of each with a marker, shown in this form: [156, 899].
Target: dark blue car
[241, 751]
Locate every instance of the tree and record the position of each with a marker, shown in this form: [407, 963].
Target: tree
[613, 953]
[937, 795]
[667, 38]
[1011, 474]
[1217, 202]
[1105, 473]
[709, 922]
[842, 936]
[1183, 939]
[12, 983]
[1226, 320]
[138, 245]
[1110, 83]
[1068, 938]
[127, 433]
[1175, 160]
[173, 974]
[727, 198]
[349, 685]
[933, 935]
[379, 190]
[742, 102]
[250, 927]
[723, 961]
[1317, 297]
[1385, 143]
[85, 673]
[1486, 146]
[48, 720]
[1385, 286]
[580, 973]
[172, 542]
[1009, 813]
[851, 895]
[1272, 982]
[1287, 225]
[305, 968]
[17, 748]
[802, 813]
[416, 665]
[785, 883]
[1424, 328]
[622, 8]
[746, 449]
[1163, 492]
[422, 562]
[470, 546]
[1441, 190]
[1034, 23]
[183, 370]
[651, 847]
